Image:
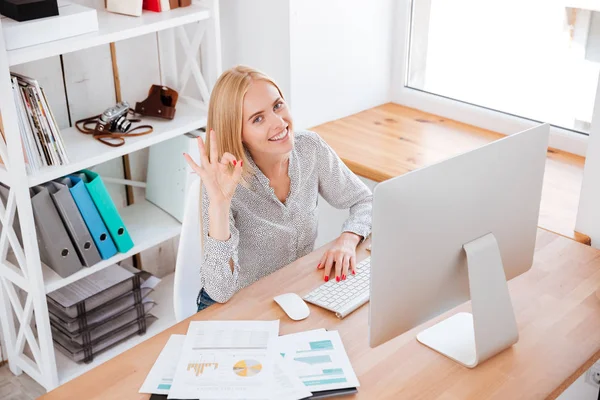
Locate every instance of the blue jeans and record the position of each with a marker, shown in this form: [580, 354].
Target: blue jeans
[204, 300]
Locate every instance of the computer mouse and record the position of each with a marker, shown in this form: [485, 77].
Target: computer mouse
[293, 305]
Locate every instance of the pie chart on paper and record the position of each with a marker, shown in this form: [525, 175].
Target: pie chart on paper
[247, 368]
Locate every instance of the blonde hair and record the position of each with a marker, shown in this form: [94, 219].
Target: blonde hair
[225, 111]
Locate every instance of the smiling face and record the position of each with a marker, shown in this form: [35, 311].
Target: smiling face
[266, 121]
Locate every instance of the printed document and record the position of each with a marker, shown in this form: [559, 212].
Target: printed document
[226, 360]
[318, 359]
[160, 377]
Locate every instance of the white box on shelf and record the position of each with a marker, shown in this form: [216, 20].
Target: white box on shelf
[73, 20]
[127, 7]
[169, 176]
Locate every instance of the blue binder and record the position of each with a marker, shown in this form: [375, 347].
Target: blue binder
[90, 215]
[107, 210]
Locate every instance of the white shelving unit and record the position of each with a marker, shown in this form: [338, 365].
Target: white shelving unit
[148, 225]
[112, 28]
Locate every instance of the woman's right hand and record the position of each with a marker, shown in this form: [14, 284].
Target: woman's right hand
[218, 179]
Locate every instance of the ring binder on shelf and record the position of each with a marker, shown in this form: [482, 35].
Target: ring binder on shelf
[74, 223]
[91, 217]
[108, 211]
[56, 248]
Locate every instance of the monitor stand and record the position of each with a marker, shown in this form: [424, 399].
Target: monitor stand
[470, 339]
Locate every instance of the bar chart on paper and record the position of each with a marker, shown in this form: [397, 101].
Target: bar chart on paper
[326, 376]
[199, 367]
[318, 345]
[319, 360]
[314, 360]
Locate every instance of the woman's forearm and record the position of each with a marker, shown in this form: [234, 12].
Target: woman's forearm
[218, 221]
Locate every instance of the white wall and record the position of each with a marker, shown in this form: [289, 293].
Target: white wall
[257, 33]
[588, 213]
[331, 58]
[340, 56]
[592, 52]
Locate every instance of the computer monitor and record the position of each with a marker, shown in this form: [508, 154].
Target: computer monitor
[454, 231]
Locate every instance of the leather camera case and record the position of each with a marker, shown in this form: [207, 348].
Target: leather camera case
[160, 103]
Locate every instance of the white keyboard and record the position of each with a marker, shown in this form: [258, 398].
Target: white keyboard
[343, 297]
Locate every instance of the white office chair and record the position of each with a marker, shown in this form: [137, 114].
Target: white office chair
[189, 256]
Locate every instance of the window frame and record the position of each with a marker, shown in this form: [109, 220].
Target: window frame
[476, 115]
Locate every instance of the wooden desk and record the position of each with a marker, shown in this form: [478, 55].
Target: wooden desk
[391, 140]
[558, 314]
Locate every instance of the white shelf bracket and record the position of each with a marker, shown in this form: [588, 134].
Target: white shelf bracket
[29, 278]
[24, 316]
[191, 66]
[8, 235]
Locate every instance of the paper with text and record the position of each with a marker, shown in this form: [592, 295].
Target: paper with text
[319, 360]
[160, 377]
[226, 360]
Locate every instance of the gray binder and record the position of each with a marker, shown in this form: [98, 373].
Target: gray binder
[56, 248]
[73, 221]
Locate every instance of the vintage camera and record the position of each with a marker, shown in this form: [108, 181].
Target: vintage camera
[114, 119]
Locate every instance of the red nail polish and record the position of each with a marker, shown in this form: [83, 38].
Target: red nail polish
[353, 272]
[242, 163]
[337, 278]
[343, 277]
[234, 162]
[318, 266]
[326, 278]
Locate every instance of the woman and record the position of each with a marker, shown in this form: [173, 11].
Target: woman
[261, 182]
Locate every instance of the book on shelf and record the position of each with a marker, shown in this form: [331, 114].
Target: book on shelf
[40, 135]
[164, 5]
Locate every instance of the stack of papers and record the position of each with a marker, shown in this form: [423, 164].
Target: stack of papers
[100, 310]
[248, 360]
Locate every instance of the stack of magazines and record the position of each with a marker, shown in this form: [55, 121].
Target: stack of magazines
[97, 312]
[42, 143]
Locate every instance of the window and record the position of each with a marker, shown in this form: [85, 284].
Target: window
[535, 59]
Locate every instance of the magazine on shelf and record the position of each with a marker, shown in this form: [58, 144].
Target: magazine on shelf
[40, 135]
[24, 129]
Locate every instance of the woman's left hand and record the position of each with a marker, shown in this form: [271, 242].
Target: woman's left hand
[342, 255]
